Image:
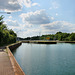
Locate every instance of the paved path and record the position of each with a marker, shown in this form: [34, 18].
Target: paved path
[5, 64]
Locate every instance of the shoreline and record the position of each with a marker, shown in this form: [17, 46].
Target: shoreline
[65, 41]
[46, 41]
[16, 67]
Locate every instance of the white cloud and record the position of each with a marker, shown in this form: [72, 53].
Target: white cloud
[10, 17]
[48, 28]
[56, 14]
[22, 30]
[15, 25]
[15, 5]
[10, 5]
[27, 3]
[58, 26]
[29, 32]
[52, 18]
[37, 17]
[54, 5]
[34, 4]
[12, 23]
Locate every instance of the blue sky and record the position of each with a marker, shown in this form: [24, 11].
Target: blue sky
[39, 17]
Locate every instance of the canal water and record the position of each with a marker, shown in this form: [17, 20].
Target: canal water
[46, 59]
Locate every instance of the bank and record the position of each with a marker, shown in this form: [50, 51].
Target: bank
[16, 67]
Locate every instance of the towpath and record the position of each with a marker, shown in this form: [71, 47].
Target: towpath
[5, 63]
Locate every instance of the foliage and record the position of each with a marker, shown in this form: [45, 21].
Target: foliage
[58, 36]
[6, 36]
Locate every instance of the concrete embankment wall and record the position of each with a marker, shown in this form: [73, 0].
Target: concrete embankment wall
[14, 46]
[40, 42]
[17, 69]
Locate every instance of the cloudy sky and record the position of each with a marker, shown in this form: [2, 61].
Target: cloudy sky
[39, 17]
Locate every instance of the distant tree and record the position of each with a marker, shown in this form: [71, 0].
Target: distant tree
[72, 37]
[58, 36]
[59, 32]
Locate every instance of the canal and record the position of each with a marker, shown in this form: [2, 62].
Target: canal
[46, 59]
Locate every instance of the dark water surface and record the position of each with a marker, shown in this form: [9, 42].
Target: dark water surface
[43, 59]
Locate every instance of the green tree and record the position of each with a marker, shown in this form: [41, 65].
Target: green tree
[6, 36]
[72, 37]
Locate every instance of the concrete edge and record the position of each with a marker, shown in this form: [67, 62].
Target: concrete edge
[16, 67]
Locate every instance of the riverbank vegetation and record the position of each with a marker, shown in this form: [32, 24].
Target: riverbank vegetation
[7, 36]
[58, 36]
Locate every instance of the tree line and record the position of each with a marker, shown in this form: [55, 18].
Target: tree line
[7, 36]
[58, 36]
